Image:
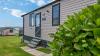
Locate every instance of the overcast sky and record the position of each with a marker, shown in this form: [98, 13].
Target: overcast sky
[11, 10]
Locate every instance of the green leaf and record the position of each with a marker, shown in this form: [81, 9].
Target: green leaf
[98, 46]
[95, 51]
[98, 40]
[77, 47]
[82, 35]
[77, 29]
[92, 41]
[82, 17]
[86, 53]
[88, 27]
[98, 22]
[96, 32]
[84, 41]
[68, 34]
[85, 45]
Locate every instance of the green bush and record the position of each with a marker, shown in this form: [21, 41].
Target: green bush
[79, 35]
[98, 1]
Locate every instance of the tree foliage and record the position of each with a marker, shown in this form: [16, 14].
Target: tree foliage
[79, 35]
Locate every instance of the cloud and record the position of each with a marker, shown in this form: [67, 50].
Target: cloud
[50, 1]
[38, 2]
[5, 8]
[14, 12]
[33, 1]
[41, 2]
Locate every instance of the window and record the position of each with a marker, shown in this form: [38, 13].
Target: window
[11, 30]
[56, 15]
[37, 19]
[31, 20]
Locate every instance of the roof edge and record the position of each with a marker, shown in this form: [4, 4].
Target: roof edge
[41, 7]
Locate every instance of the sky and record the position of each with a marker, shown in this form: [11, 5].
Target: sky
[11, 11]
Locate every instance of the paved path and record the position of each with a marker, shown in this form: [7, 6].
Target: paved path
[35, 52]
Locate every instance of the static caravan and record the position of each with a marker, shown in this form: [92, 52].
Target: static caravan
[41, 22]
[9, 31]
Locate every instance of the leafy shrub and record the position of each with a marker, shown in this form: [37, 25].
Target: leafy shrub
[98, 1]
[79, 35]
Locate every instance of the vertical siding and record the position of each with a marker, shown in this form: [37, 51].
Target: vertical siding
[67, 7]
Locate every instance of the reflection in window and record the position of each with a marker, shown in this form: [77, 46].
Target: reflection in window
[56, 15]
[37, 20]
[31, 20]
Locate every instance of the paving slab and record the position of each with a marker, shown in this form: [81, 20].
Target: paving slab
[34, 51]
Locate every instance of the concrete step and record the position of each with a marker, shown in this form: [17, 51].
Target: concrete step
[32, 46]
[37, 38]
[34, 42]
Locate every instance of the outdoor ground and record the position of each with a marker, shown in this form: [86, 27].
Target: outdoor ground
[10, 46]
[45, 50]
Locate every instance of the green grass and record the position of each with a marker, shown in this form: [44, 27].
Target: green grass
[10, 46]
[45, 50]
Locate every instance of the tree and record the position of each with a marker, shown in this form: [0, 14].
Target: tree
[79, 35]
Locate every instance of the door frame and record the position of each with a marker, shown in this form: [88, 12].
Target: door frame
[40, 23]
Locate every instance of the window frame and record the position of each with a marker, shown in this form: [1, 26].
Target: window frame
[40, 18]
[36, 23]
[53, 15]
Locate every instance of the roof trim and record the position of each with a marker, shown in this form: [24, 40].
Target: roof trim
[41, 7]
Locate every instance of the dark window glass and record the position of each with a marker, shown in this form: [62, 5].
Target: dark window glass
[56, 15]
[11, 30]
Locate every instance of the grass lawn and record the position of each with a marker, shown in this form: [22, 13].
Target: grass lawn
[10, 46]
[45, 50]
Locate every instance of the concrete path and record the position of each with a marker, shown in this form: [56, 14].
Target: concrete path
[34, 52]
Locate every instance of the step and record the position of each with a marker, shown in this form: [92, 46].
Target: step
[25, 41]
[34, 43]
[32, 46]
[36, 40]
